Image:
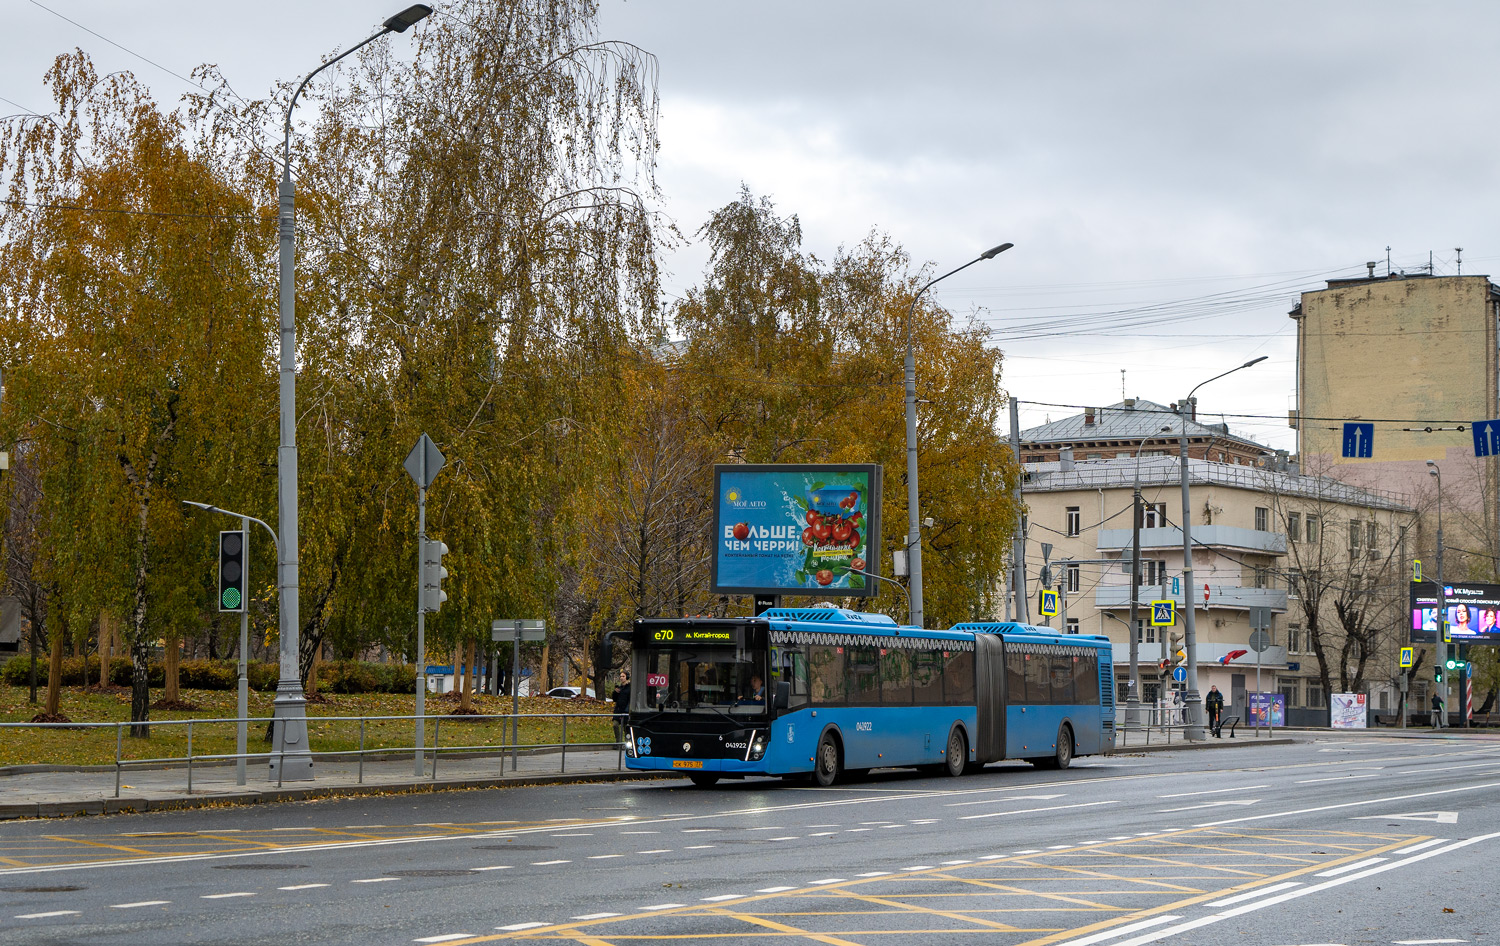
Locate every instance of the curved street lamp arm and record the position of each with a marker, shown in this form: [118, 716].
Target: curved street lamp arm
[987, 254]
[287, 136]
[899, 586]
[238, 515]
[1253, 361]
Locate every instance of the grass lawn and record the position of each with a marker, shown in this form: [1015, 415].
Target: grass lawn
[97, 746]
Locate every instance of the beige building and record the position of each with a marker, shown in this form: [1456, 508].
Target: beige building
[1259, 533]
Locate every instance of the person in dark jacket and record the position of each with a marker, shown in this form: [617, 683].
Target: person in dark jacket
[622, 704]
[1437, 712]
[1214, 704]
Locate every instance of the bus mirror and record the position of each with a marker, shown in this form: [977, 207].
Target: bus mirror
[783, 694]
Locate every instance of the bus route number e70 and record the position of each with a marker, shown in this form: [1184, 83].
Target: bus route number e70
[672, 634]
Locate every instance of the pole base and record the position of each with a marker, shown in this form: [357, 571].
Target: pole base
[291, 760]
[1135, 714]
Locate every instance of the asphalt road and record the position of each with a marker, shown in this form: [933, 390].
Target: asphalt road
[1357, 839]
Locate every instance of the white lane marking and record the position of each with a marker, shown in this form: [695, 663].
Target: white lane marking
[1119, 930]
[1439, 817]
[443, 938]
[918, 867]
[142, 903]
[704, 830]
[1122, 837]
[1426, 942]
[226, 896]
[1216, 791]
[956, 863]
[520, 926]
[1357, 865]
[1424, 844]
[302, 886]
[699, 847]
[1262, 892]
[1336, 778]
[43, 916]
[1212, 804]
[493, 867]
[374, 880]
[993, 857]
[605, 857]
[1037, 850]
[550, 863]
[885, 827]
[991, 801]
[854, 830]
[595, 916]
[1027, 811]
[665, 906]
[722, 897]
[924, 821]
[822, 826]
[795, 837]
[1349, 804]
[875, 823]
[875, 873]
[660, 850]
[826, 880]
[1064, 847]
[774, 889]
[826, 834]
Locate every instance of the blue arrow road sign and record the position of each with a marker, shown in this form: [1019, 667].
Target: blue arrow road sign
[1179, 674]
[1486, 438]
[1359, 440]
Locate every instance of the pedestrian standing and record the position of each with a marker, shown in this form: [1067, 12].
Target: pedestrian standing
[1214, 703]
[1437, 712]
[622, 705]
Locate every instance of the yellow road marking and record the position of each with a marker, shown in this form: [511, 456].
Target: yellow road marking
[112, 847]
[914, 908]
[783, 928]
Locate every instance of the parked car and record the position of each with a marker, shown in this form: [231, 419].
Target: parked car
[570, 693]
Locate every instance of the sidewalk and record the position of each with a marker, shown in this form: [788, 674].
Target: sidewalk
[61, 792]
[1157, 739]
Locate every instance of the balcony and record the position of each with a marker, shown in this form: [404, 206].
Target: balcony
[1231, 597]
[1170, 537]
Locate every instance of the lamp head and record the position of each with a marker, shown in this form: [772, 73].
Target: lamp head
[1255, 361]
[406, 18]
[995, 251]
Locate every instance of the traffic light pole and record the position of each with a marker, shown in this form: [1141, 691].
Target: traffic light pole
[421, 630]
[243, 702]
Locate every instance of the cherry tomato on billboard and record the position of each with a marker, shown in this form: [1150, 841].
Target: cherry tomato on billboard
[841, 531]
[857, 564]
[809, 537]
[824, 577]
[813, 518]
[742, 530]
[823, 530]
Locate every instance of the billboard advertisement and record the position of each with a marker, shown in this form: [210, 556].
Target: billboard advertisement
[787, 529]
[1267, 709]
[1346, 710]
[1473, 612]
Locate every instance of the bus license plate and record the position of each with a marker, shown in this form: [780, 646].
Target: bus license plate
[687, 765]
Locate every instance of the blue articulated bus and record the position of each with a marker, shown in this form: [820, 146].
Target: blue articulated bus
[831, 694]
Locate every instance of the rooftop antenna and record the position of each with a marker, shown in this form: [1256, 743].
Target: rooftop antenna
[1122, 384]
[1460, 251]
[1388, 262]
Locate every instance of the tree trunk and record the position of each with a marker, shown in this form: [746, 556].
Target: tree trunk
[171, 659]
[545, 672]
[106, 646]
[140, 688]
[311, 687]
[54, 674]
[466, 700]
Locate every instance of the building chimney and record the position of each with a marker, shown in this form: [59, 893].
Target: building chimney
[1371, 267]
[1065, 460]
[1088, 418]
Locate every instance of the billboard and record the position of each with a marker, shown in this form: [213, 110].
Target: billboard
[1346, 710]
[1267, 709]
[1473, 612]
[786, 529]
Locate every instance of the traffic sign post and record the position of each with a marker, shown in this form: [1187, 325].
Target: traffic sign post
[1260, 638]
[1407, 657]
[422, 465]
[1047, 603]
[516, 630]
[1359, 440]
[1163, 613]
[1179, 674]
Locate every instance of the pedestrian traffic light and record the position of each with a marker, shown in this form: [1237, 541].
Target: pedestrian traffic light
[232, 569]
[433, 574]
[1437, 673]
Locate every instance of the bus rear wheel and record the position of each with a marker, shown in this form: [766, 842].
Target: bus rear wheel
[704, 780]
[1062, 757]
[956, 759]
[829, 766]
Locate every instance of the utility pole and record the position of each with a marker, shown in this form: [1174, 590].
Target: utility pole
[1133, 699]
[1018, 541]
[1441, 607]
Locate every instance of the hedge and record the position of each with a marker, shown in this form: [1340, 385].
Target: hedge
[343, 676]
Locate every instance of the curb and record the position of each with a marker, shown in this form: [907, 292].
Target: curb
[137, 804]
[1197, 746]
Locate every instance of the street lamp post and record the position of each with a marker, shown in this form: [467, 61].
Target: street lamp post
[1441, 607]
[1192, 701]
[1133, 698]
[290, 758]
[913, 512]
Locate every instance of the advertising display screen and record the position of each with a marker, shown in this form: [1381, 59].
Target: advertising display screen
[1267, 709]
[796, 529]
[1473, 612]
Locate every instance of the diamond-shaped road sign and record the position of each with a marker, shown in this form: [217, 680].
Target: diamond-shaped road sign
[424, 461]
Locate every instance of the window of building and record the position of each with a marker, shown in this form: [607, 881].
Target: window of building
[1356, 535]
[1288, 689]
[1093, 456]
[1153, 571]
[1294, 638]
[1314, 695]
[1370, 537]
[1073, 575]
[1262, 519]
[1311, 528]
[1262, 576]
[1072, 625]
[1153, 515]
[1294, 526]
[1074, 521]
[1294, 582]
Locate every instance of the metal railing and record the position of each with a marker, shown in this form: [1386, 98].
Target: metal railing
[509, 743]
[1165, 722]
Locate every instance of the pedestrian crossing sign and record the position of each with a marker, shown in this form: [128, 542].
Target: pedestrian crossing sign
[1163, 613]
[1048, 604]
[1407, 656]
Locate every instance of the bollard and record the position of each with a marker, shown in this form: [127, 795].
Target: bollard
[190, 757]
[361, 750]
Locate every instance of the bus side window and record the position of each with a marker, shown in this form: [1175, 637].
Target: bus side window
[826, 673]
[1062, 679]
[864, 675]
[1015, 678]
[927, 677]
[1038, 682]
[1086, 680]
[791, 668]
[895, 677]
[958, 676]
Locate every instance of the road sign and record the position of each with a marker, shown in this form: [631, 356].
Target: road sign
[1359, 440]
[1163, 613]
[518, 629]
[1408, 656]
[1048, 603]
[1260, 619]
[1176, 584]
[1259, 641]
[1179, 674]
[1205, 593]
[1486, 438]
[1416, 569]
[424, 461]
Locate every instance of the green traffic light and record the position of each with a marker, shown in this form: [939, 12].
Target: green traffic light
[231, 598]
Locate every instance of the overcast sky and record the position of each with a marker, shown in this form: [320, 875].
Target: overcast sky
[1202, 162]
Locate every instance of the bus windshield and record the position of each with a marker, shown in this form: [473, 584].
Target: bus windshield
[702, 677]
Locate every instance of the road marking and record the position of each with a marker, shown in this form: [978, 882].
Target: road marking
[302, 886]
[825, 834]
[1426, 942]
[876, 873]
[823, 826]
[1357, 865]
[520, 926]
[1217, 791]
[660, 850]
[1264, 891]
[1348, 804]
[703, 830]
[918, 867]
[443, 938]
[775, 889]
[724, 896]
[145, 903]
[493, 867]
[595, 916]
[991, 801]
[1424, 844]
[828, 880]
[665, 906]
[550, 863]
[1441, 817]
[1027, 811]
[854, 830]
[1119, 931]
[795, 837]
[226, 896]
[1214, 804]
[374, 880]
[43, 916]
[1037, 850]
[605, 857]
[1064, 847]
[956, 863]
[698, 847]
[1337, 778]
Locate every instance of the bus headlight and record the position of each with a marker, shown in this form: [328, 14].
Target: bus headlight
[630, 742]
[757, 747]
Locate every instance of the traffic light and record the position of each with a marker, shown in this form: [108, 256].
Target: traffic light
[1437, 673]
[1175, 649]
[433, 574]
[232, 569]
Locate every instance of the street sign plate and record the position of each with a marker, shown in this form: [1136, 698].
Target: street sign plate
[1359, 440]
[522, 629]
[424, 461]
[1259, 641]
[1486, 438]
[1177, 584]
[1163, 613]
[1416, 569]
[1408, 656]
[1179, 674]
[1260, 620]
[1048, 603]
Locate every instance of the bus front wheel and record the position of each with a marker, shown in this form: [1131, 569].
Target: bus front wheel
[829, 765]
[956, 760]
[704, 780]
